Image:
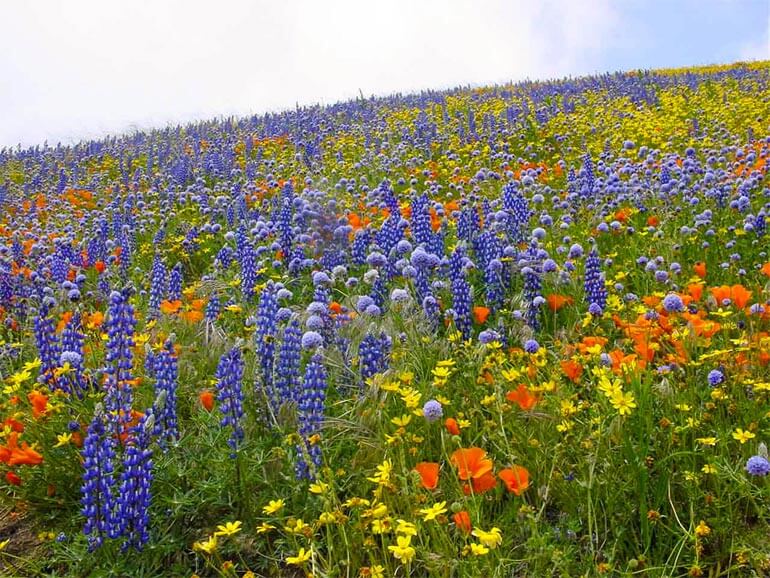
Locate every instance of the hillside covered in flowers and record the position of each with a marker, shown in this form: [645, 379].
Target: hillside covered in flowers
[517, 330]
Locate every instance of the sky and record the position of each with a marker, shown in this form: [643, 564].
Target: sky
[82, 69]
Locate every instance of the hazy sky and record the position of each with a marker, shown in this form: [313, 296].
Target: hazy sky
[73, 69]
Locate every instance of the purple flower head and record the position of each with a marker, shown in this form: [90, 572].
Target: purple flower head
[715, 377]
[488, 336]
[432, 410]
[531, 346]
[672, 303]
[312, 340]
[758, 466]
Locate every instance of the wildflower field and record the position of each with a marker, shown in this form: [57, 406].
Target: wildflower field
[520, 330]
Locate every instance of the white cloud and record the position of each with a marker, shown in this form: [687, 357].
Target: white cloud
[77, 68]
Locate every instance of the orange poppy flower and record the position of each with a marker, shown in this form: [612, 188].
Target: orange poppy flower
[700, 269]
[740, 296]
[737, 294]
[169, 307]
[522, 397]
[462, 520]
[12, 478]
[471, 463]
[14, 455]
[428, 474]
[451, 426]
[695, 290]
[480, 314]
[765, 270]
[39, 403]
[100, 266]
[63, 321]
[557, 302]
[590, 342]
[483, 483]
[192, 316]
[13, 425]
[94, 320]
[515, 478]
[572, 369]
[207, 400]
[335, 307]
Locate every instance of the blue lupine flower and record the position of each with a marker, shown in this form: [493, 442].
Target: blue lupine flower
[166, 371]
[461, 293]
[264, 339]
[120, 326]
[372, 355]
[72, 355]
[289, 354]
[310, 413]
[133, 499]
[158, 285]
[48, 346]
[175, 282]
[230, 395]
[98, 501]
[596, 293]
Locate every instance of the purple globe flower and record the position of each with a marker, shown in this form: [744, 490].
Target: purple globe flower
[432, 410]
[488, 336]
[673, 303]
[531, 346]
[311, 340]
[758, 466]
[715, 377]
[595, 309]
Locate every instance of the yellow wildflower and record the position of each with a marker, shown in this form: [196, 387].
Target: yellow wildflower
[273, 506]
[403, 550]
[743, 436]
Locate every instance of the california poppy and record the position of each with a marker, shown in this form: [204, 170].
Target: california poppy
[483, 483]
[522, 397]
[695, 290]
[12, 478]
[471, 463]
[428, 474]
[515, 478]
[14, 455]
[765, 270]
[556, 301]
[206, 398]
[480, 314]
[451, 426]
[700, 269]
[169, 307]
[192, 316]
[462, 520]
[39, 403]
[572, 369]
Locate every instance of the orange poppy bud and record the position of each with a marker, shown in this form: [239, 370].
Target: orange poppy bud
[207, 400]
[452, 427]
[463, 521]
[700, 269]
